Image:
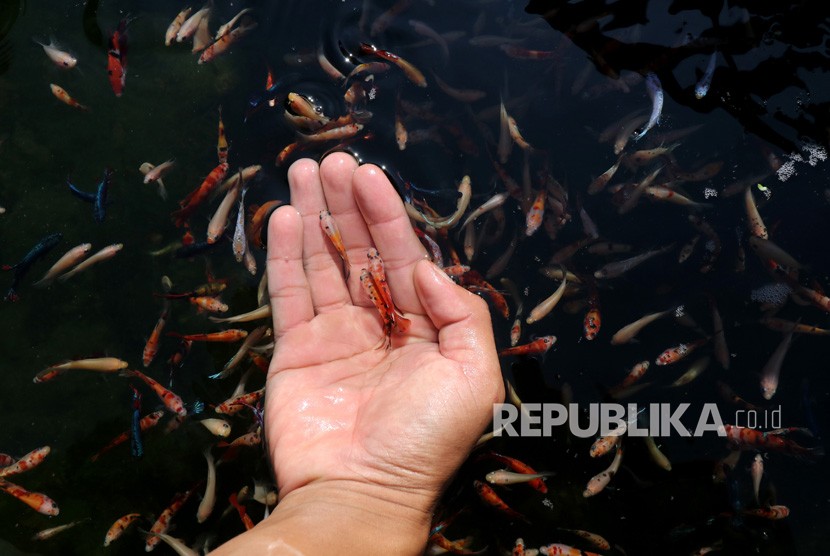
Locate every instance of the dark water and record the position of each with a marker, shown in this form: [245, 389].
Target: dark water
[768, 98]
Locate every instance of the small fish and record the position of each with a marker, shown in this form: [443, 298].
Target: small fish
[117, 529]
[678, 352]
[152, 345]
[756, 469]
[71, 257]
[59, 57]
[65, 98]
[598, 482]
[191, 24]
[147, 422]
[230, 335]
[27, 462]
[240, 240]
[536, 213]
[174, 28]
[117, 58]
[221, 45]
[410, 71]
[198, 196]
[702, 86]
[222, 142]
[537, 346]
[155, 173]
[106, 253]
[171, 401]
[773, 512]
[772, 369]
[742, 438]
[162, 524]
[504, 477]
[136, 446]
[226, 28]
[329, 227]
[35, 500]
[558, 549]
[209, 498]
[618, 268]
[218, 427]
[489, 496]
[655, 91]
[20, 269]
[547, 305]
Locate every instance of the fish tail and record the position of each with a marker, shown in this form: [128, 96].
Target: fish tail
[127, 373]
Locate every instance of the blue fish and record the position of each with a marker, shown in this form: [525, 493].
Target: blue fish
[136, 447]
[21, 268]
[98, 199]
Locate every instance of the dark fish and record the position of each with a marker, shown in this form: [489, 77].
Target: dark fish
[136, 447]
[21, 268]
[187, 251]
[98, 199]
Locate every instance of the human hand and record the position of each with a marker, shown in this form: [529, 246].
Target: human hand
[340, 412]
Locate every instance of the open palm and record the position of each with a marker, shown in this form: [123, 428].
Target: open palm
[339, 406]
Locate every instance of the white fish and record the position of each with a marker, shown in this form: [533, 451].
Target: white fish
[630, 331]
[757, 471]
[655, 91]
[61, 58]
[175, 25]
[209, 499]
[225, 29]
[772, 370]
[72, 257]
[598, 482]
[145, 169]
[618, 268]
[105, 253]
[702, 86]
[240, 242]
[190, 26]
[504, 477]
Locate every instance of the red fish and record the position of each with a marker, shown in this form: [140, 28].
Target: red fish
[537, 346]
[30, 460]
[170, 400]
[195, 198]
[489, 496]
[35, 500]
[117, 58]
[148, 421]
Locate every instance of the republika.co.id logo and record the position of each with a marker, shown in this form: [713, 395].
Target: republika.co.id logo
[605, 419]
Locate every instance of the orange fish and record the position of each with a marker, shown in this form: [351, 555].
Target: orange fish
[379, 277]
[64, 97]
[195, 198]
[237, 404]
[243, 514]
[412, 73]
[211, 304]
[230, 335]
[386, 313]
[489, 496]
[741, 438]
[675, 354]
[222, 142]
[162, 524]
[151, 348]
[593, 318]
[35, 500]
[117, 529]
[773, 512]
[536, 213]
[146, 422]
[564, 550]
[171, 401]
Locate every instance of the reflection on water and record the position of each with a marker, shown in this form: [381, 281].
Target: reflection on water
[571, 79]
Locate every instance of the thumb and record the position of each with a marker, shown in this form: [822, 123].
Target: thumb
[465, 332]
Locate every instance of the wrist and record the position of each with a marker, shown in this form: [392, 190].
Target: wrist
[343, 517]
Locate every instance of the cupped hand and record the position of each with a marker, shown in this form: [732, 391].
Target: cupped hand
[340, 407]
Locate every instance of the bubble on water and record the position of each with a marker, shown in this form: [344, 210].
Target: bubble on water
[710, 246]
[815, 153]
[775, 293]
[709, 192]
[679, 311]
[786, 171]
[547, 503]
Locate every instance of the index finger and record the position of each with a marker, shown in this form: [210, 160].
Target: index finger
[392, 233]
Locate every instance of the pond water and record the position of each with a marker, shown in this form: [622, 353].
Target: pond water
[567, 72]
